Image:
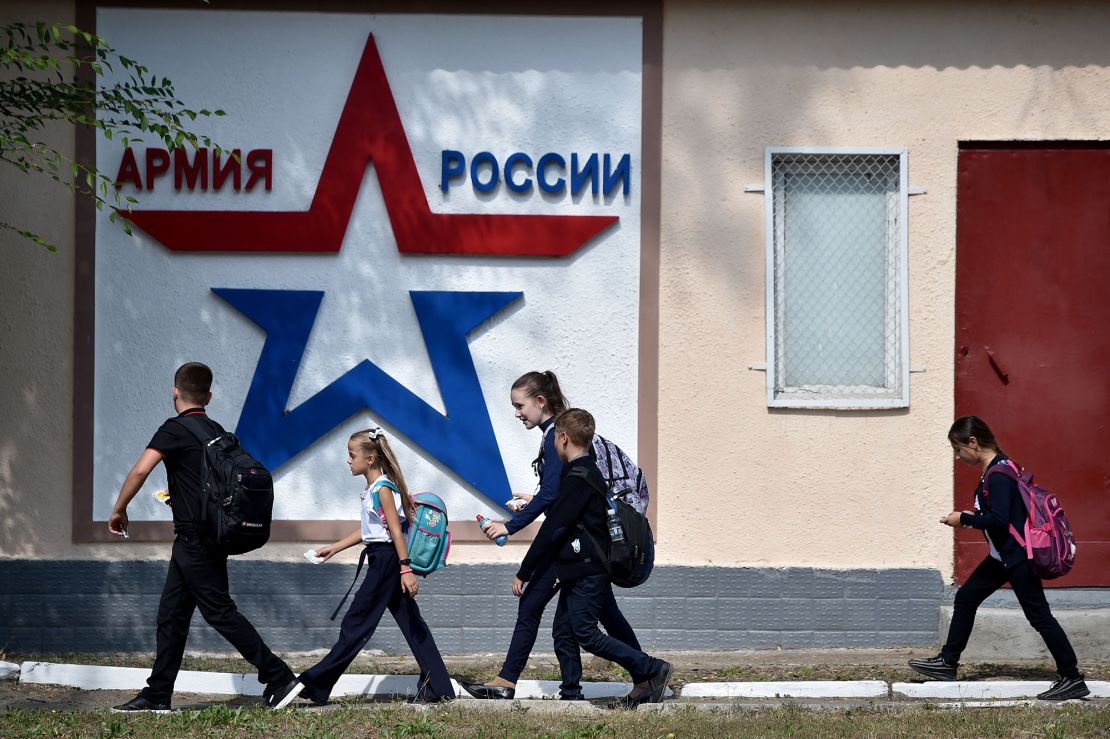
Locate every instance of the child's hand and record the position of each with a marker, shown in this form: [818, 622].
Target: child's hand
[409, 584]
[494, 530]
[518, 587]
[117, 523]
[516, 504]
[952, 519]
[327, 551]
[526, 497]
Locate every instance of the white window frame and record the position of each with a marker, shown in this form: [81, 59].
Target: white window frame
[803, 397]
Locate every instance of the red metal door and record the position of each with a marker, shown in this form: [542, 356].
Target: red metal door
[1033, 329]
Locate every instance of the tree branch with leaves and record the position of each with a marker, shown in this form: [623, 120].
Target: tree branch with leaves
[48, 73]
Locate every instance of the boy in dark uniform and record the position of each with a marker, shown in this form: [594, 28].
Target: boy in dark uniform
[576, 529]
[197, 577]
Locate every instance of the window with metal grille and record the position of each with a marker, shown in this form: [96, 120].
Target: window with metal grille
[836, 278]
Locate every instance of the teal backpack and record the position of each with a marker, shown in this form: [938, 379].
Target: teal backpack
[426, 537]
[428, 540]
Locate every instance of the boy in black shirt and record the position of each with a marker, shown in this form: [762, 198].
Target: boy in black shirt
[576, 530]
[197, 577]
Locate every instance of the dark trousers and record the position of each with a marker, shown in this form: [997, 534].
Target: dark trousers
[380, 589]
[576, 617]
[989, 577]
[541, 589]
[197, 578]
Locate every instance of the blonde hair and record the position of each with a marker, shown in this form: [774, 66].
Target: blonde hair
[373, 441]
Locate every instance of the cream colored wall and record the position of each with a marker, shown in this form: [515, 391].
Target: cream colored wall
[36, 344]
[821, 488]
[796, 488]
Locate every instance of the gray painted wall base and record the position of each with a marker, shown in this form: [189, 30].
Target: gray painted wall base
[97, 606]
[1002, 634]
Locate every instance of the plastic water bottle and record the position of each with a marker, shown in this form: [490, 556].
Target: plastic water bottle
[483, 522]
[616, 531]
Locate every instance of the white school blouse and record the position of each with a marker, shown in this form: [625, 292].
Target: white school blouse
[373, 527]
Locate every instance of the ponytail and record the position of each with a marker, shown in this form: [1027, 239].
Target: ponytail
[546, 384]
[373, 441]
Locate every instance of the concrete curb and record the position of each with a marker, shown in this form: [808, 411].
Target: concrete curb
[9, 671]
[99, 677]
[796, 689]
[988, 689]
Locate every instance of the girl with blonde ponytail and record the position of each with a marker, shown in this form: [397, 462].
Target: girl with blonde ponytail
[389, 583]
[389, 466]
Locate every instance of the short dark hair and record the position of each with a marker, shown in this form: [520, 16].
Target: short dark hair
[194, 381]
[578, 425]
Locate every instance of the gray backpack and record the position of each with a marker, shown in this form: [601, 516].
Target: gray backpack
[625, 479]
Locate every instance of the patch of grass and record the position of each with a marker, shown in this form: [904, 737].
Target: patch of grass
[402, 721]
[420, 725]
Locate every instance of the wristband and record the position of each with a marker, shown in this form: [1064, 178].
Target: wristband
[406, 561]
[406, 572]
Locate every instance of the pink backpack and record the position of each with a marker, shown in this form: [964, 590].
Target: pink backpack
[1048, 541]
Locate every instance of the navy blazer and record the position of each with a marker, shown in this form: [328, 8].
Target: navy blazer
[575, 528]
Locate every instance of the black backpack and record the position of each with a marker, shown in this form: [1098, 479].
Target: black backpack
[631, 561]
[237, 491]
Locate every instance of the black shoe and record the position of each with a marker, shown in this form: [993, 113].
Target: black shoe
[574, 697]
[139, 704]
[1066, 688]
[935, 667]
[483, 691]
[657, 684]
[308, 696]
[284, 695]
[632, 700]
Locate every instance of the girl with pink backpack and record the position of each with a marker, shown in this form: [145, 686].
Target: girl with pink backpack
[998, 511]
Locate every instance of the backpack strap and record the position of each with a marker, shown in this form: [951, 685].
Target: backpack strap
[375, 499]
[1008, 469]
[579, 472]
[609, 460]
[203, 434]
[537, 463]
[358, 570]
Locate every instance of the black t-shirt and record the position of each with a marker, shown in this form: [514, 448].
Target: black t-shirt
[184, 460]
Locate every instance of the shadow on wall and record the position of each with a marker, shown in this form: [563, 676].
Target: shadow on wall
[17, 524]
